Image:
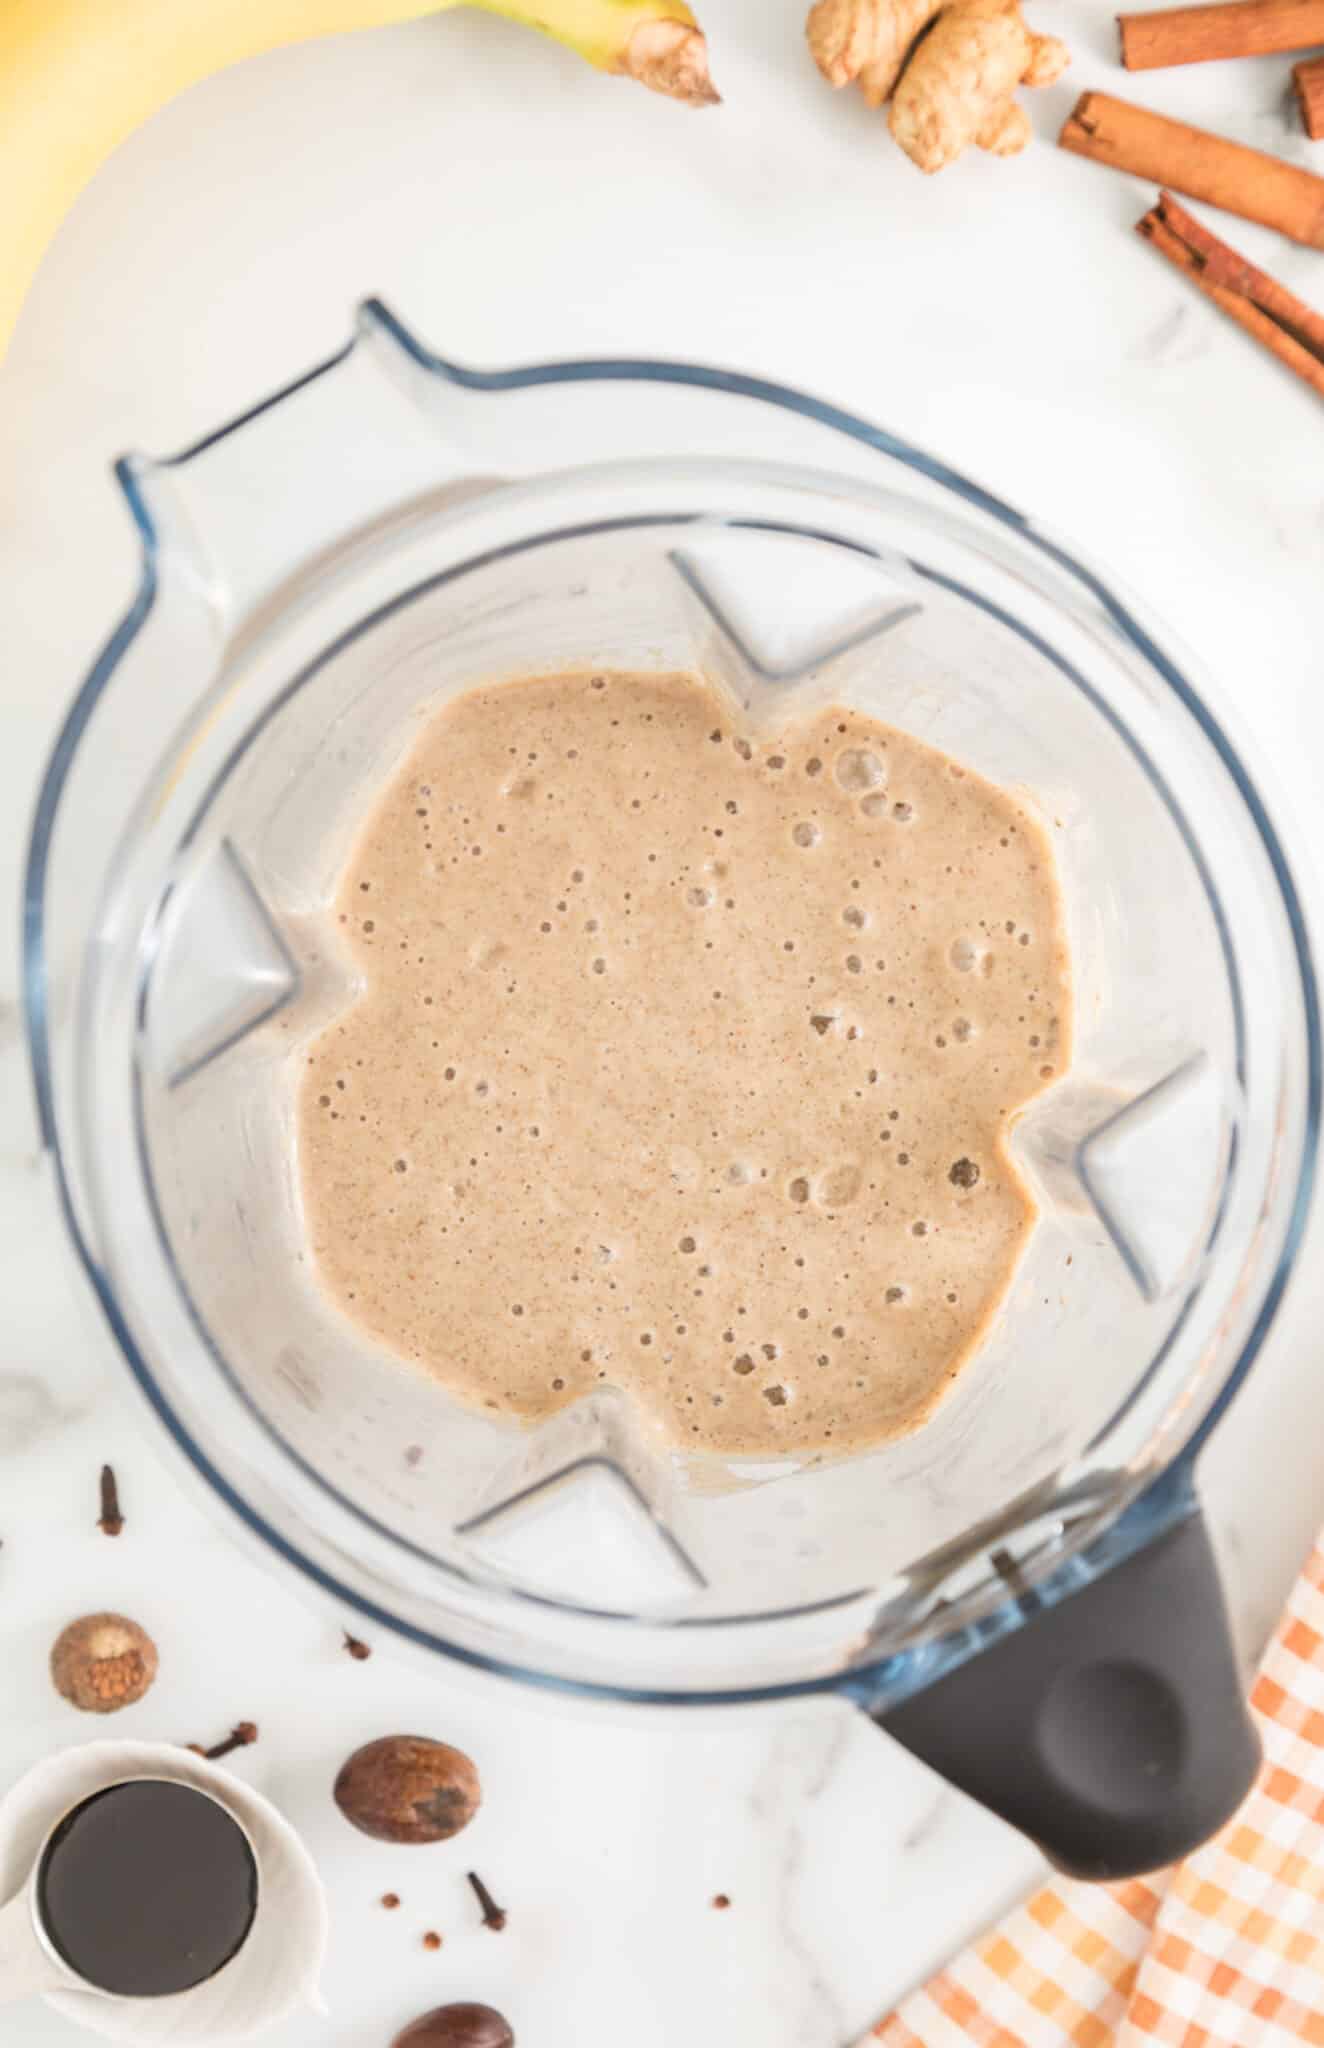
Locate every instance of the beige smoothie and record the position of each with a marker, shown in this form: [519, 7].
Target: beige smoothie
[684, 1062]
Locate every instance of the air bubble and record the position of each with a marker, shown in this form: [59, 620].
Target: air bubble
[962, 1030]
[798, 1189]
[599, 967]
[687, 1244]
[964, 955]
[857, 769]
[775, 1396]
[806, 833]
[744, 1365]
[853, 963]
[874, 806]
[838, 1186]
[963, 1173]
[919, 1228]
[770, 1351]
[776, 761]
[743, 748]
[699, 899]
[903, 813]
[402, 1166]
[813, 766]
[739, 1175]
[893, 1295]
[856, 918]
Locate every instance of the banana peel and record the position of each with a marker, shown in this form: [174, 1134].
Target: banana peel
[78, 76]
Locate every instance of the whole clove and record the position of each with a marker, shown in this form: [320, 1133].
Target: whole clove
[239, 1737]
[494, 1916]
[111, 1520]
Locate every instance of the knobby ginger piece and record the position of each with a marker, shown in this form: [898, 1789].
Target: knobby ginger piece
[670, 57]
[950, 87]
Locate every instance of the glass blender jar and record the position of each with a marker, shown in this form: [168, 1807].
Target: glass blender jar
[1022, 1592]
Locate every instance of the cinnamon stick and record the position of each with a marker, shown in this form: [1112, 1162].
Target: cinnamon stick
[1309, 79]
[1291, 330]
[1236, 28]
[1203, 166]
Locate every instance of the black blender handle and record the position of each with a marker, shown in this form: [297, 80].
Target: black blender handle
[1111, 1727]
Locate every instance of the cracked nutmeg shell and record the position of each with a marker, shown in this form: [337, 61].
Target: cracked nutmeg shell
[103, 1662]
[457, 2026]
[406, 1788]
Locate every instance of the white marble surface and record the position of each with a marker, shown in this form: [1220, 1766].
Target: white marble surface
[511, 204]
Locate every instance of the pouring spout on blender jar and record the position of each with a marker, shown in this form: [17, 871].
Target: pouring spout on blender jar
[1019, 1590]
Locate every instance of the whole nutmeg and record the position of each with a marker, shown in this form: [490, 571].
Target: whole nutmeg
[103, 1662]
[458, 2026]
[405, 1788]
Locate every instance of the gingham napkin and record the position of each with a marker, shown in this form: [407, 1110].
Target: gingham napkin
[1224, 1951]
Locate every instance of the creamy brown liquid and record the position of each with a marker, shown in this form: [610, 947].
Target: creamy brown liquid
[684, 1062]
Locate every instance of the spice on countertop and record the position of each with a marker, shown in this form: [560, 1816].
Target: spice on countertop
[358, 1650]
[407, 1788]
[432, 1939]
[103, 1662]
[390, 1900]
[458, 2026]
[1229, 28]
[494, 1916]
[110, 1521]
[1283, 324]
[241, 1735]
[1202, 165]
[1309, 81]
[721, 1901]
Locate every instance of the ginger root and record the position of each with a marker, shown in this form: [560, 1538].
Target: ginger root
[949, 67]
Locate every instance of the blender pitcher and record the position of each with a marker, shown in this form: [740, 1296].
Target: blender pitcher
[1022, 1591]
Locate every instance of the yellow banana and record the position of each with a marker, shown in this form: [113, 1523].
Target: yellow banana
[77, 76]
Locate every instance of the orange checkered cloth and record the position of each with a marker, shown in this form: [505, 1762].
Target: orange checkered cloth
[1224, 1951]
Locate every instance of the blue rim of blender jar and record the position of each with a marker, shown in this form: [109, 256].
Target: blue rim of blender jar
[1169, 1496]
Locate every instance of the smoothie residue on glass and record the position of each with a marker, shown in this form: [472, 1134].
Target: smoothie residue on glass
[684, 1062]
